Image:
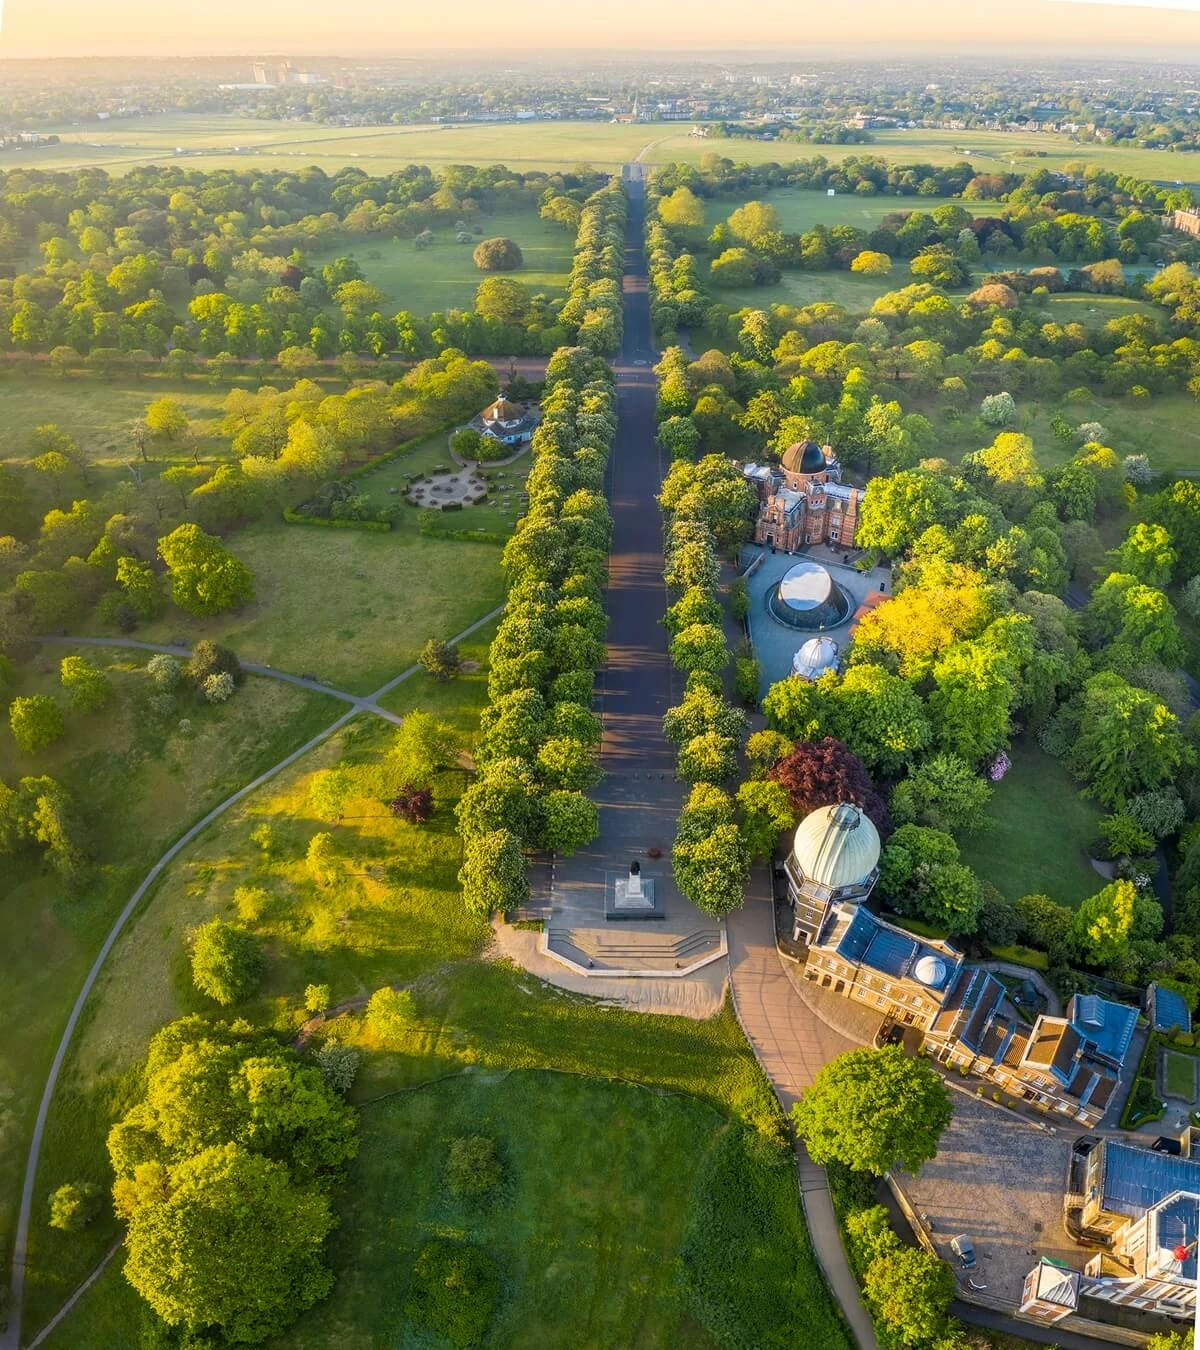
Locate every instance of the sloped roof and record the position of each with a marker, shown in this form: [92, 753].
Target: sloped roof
[1106, 1026]
[1169, 1009]
[836, 846]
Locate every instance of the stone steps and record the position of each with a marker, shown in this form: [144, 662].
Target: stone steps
[648, 946]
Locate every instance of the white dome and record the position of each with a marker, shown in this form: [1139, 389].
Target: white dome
[836, 846]
[818, 655]
[931, 971]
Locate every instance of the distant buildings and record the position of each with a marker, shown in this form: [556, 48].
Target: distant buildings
[1186, 219]
[507, 422]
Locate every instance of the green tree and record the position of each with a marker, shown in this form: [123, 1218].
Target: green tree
[224, 1240]
[166, 419]
[473, 1167]
[920, 873]
[1046, 924]
[1107, 922]
[87, 687]
[944, 792]
[569, 822]
[440, 659]
[710, 859]
[708, 758]
[391, 1014]
[910, 1291]
[206, 578]
[700, 646]
[1147, 554]
[498, 255]
[227, 962]
[492, 876]
[1127, 741]
[421, 747]
[36, 722]
[752, 221]
[765, 811]
[873, 1110]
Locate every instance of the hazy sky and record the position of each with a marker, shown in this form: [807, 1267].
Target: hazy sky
[86, 27]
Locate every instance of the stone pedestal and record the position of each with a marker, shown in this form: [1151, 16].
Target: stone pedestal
[630, 897]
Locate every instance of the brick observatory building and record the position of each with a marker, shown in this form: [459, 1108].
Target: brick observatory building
[804, 501]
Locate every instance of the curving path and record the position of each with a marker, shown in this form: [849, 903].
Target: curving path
[11, 1337]
[366, 704]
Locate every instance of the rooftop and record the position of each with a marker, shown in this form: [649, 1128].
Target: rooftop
[1168, 1009]
[803, 457]
[836, 847]
[1135, 1179]
[1107, 1027]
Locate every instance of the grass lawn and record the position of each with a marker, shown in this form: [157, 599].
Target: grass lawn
[802, 208]
[1037, 834]
[1180, 1074]
[609, 1183]
[139, 782]
[498, 514]
[314, 614]
[215, 141]
[445, 276]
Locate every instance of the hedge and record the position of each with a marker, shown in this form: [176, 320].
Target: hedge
[295, 518]
[465, 536]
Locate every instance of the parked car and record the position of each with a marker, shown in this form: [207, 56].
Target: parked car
[964, 1249]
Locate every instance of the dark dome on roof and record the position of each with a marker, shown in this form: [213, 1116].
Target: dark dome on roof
[803, 457]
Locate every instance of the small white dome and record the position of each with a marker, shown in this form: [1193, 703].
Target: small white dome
[931, 971]
[818, 655]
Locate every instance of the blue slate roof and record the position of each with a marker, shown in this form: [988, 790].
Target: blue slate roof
[1177, 1225]
[1170, 1009]
[1108, 1027]
[1137, 1178]
[890, 952]
[869, 941]
[858, 934]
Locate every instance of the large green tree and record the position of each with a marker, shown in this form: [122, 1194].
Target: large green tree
[206, 578]
[225, 1241]
[873, 1110]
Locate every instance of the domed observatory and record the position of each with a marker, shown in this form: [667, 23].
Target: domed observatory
[817, 656]
[807, 597]
[834, 858]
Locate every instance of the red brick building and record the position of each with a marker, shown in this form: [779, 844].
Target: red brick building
[804, 501]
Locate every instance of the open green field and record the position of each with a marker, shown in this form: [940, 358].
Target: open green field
[1180, 1075]
[445, 276]
[609, 1183]
[801, 209]
[1028, 848]
[351, 607]
[138, 780]
[210, 141]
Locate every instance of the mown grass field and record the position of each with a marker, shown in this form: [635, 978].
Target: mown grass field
[351, 607]
[445, 276]
[614, 1191]
[1030, 847]
[213, 141]
[139, 781]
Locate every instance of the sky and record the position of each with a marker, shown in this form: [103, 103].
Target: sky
[185, 27]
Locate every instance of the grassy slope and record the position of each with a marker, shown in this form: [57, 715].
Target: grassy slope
[139, 783]
[314, 614]
[210, 141]
[394, 915]
[1028, 847]
[445, 276]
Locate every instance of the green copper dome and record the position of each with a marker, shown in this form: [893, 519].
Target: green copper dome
[836, 846]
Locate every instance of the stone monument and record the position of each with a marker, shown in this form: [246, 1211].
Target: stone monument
[631, 896]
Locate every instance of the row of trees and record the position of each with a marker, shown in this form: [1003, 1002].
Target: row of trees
[537, 751]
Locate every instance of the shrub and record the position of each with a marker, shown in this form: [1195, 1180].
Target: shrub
[338, 1064]
[745, 680]
[440, 659]
[473, 1167]
[1190, 598]
[453, 1291]
[739, 599]
[164, 671]
[227, 963]
[998, 410]
[218, 687]
[210, 658]
[74, 1206]
[1138, 470]
[317, 998]
[414, 804]
[161, 705]
[251, 903]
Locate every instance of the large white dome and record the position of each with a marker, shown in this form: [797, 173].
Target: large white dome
[836, 846]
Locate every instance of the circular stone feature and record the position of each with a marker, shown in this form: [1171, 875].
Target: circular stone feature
[806, 596]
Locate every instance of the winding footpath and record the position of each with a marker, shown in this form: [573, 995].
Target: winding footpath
[11, 1338]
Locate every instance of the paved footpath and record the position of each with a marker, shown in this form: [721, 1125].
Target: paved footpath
[792, 1044]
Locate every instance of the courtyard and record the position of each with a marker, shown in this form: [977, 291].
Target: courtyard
[776, 643]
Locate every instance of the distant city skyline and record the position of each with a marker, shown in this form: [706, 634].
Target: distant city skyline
[309, 27]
